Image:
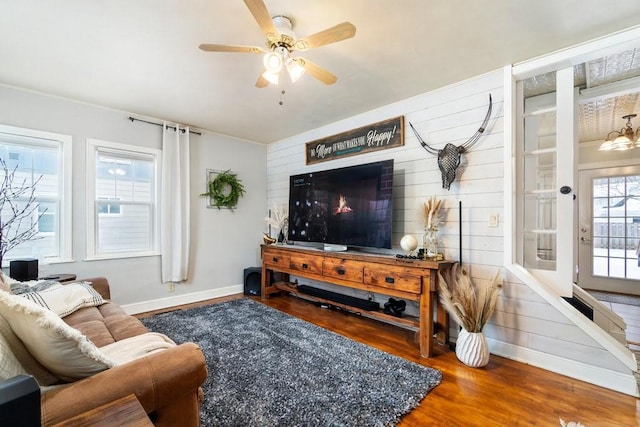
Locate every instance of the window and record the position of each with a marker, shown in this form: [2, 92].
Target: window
[42, 159]
[123, 192]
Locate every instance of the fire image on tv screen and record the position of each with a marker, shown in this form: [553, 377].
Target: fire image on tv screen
[350, 206]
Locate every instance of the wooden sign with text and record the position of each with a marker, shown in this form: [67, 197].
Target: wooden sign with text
[377, 136]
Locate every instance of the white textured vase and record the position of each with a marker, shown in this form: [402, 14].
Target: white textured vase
[472, 348]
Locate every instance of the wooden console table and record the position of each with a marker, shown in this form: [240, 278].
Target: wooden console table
[407, 279]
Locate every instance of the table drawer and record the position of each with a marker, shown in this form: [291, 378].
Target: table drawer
[307, 264]
[398, 278]
[277, 260]
[351, 271]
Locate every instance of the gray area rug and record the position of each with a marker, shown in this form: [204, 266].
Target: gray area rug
[268, 368]
[617, 298]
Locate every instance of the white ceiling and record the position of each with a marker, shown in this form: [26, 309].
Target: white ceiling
[142, 56]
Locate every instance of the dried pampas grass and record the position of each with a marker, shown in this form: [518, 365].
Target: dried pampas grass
[429, 212]
[470, 306]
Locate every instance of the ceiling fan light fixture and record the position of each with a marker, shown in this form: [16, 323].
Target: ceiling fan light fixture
[294, 69]
[272, 78]
[273, 62]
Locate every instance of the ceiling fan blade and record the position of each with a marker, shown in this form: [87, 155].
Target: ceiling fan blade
[262, 82]
[316, 71]
[263, 17]
[343, 31]
[230, 48]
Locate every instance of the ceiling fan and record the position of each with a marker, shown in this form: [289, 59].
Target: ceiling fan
[282, 42]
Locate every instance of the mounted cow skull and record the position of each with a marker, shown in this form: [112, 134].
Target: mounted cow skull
[449, 156]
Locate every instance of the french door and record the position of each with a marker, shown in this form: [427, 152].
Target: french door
[609, 230]
[545, 194]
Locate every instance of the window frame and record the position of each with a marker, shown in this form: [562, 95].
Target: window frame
[94, 147]
[64, 224]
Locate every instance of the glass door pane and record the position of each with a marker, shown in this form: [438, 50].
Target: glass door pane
[539, 183]
[616, 227]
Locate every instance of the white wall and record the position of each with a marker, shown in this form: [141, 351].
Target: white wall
[525, 327]
[223, 242]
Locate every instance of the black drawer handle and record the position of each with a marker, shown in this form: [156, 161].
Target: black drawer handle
[389, 280]
[341, 271]
[275, 259]
[305, 265]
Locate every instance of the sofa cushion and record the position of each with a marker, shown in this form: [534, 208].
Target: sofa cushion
[105, 324]
[62, 349]
[66, 299]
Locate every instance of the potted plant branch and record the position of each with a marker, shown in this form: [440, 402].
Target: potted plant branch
[18, 208]
[471, 306]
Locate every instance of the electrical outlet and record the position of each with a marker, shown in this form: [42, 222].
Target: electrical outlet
[171, 287]
[493, 220]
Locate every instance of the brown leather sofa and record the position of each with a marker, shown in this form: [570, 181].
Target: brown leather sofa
[166, 383]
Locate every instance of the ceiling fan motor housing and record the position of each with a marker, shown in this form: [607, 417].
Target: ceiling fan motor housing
[287, 37]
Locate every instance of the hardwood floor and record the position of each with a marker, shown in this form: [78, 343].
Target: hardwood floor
[504, 393]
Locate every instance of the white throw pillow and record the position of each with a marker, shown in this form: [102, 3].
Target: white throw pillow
[4, 283]
[60, 348]
[13, 348]
[9, 365]
[66, 299]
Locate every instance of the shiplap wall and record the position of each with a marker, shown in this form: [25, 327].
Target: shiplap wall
[524, 327]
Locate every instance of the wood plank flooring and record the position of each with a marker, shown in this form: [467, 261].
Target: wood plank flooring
[504, 393]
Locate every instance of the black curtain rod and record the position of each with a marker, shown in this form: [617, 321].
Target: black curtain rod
[160, 124]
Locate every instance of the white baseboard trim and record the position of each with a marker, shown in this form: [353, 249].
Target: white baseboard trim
[162, 303]
[613, 380]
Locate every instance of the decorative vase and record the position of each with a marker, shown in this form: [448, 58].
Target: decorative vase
[430, 243]
[282, 236]
[472, 348]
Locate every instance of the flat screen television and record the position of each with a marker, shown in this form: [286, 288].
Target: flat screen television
[350, 206]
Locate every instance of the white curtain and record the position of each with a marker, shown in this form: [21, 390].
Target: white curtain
[174, 199]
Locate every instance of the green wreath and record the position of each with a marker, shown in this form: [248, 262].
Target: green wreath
[225, 190]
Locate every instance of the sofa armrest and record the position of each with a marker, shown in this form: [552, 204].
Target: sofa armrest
[100, 284]
[158, 381]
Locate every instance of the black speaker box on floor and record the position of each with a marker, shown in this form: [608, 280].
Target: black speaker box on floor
[252, 281]
[23, 269]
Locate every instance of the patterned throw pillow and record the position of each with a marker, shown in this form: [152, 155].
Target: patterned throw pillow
[66, 299]
[32, 286]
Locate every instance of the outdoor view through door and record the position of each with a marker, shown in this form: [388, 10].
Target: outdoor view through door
[616, 227]
[609, 229]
